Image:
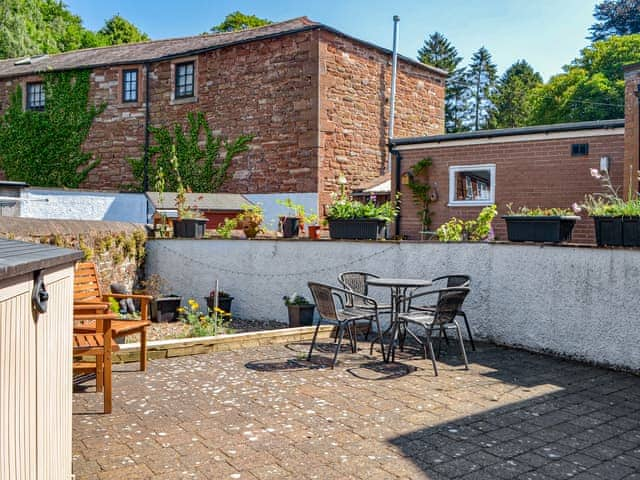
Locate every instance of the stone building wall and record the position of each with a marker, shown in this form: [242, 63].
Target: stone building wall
[355, 88]
[632, 126]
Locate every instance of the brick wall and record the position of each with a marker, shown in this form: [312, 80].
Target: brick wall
[632, 125]
[532, 173]
[355, 86]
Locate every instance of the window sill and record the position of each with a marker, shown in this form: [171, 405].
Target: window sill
[471, 203]
[181, 101]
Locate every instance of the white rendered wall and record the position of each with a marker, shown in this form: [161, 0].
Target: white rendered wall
[578, 302]
[84, 205]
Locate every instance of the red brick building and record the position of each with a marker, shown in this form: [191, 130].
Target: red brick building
[542, 166]
[316, 100]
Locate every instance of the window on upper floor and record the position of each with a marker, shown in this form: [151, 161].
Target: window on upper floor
[185, 75]
[472, 185]
[35, 96]
[130, 85]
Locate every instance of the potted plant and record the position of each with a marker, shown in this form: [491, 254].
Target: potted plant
[300, 310]
[313, 227]
[350, 219]
[457, 230]
[290, 224]
[251, 219]
[190, 222]
[164, 307]
[224, 300]
[616, 220]
[539, 224]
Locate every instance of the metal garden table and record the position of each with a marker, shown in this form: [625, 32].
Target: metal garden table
[398, 287]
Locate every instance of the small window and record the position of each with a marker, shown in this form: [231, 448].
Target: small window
[184, 80]
[472, 185]
[579, 149]
[130, 85]
[35, 96]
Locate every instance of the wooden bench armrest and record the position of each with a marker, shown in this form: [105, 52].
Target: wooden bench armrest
[134, 296]
[90, 306]
[96, 316]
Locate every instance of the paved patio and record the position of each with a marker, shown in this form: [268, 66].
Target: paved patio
[265, 413]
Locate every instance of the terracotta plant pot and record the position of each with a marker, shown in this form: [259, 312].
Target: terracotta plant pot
[314, 232]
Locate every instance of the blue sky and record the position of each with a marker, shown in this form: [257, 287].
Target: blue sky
[546, 33]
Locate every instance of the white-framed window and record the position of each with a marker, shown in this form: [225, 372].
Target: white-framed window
[185, 80]
[471, 185]
[35, 96]
[130, 85]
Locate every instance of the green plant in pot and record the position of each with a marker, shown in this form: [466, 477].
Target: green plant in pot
[539, 224]
[190, 223]
[457, 230]
[164, 307]
[616, 219]
[300, 310]
[224, 300]
[351, 219]
[251, 219]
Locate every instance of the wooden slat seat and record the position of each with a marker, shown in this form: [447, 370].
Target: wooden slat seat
[91, 344]
[88, 297]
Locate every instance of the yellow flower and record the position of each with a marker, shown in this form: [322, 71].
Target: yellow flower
[219, 310]
[180, 310]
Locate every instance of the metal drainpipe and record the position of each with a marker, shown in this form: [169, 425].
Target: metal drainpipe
[398, 162]
[147, 121]
[394, 67]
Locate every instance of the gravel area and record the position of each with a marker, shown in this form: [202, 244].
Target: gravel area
[166, 331]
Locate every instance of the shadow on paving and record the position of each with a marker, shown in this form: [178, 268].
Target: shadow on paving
[588, 428]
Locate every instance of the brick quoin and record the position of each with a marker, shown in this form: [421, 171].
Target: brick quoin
[316, 100]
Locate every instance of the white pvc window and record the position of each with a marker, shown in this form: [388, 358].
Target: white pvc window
[472, 185]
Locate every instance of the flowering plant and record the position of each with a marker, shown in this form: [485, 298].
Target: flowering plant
[457, 230]
[609, 203]
[201, 324]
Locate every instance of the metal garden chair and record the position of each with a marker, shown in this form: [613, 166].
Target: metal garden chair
[443, 317]
[356, 282]
[451, 281]
[332, 308]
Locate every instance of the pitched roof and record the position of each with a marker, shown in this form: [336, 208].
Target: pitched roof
[201, 201]
[158, 50]
[376, 185]
[146, 51]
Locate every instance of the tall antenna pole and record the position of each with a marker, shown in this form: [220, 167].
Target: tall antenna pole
[394, 67]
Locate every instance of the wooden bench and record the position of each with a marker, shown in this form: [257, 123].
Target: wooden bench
[87, 294]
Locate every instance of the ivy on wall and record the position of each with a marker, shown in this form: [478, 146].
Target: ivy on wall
[419, 186]
[202, 165]
[44, 148]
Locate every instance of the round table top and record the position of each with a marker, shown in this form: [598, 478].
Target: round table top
[399, 282]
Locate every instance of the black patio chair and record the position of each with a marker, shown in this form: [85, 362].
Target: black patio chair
[356, 282]
[443, 317]
[332, 308]
[451, 281]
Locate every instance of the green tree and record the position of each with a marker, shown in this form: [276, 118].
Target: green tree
[481, 78]
[590, 88]
[615, 17]
[512, 107]
[437, 51]
[118, 30]
[45, 148]
[239, 21]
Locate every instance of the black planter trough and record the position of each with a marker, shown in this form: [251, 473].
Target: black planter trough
[301, 315]
[189, 227]
[224, 303]
[357, 229]
[617, 231]
[165, 309]
[552, 229]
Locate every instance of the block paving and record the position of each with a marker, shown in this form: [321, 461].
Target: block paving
[267, 413]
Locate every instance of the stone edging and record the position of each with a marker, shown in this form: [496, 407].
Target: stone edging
[130, 352]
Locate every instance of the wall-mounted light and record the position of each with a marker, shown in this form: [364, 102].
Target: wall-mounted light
[406, 178]
[605, 164]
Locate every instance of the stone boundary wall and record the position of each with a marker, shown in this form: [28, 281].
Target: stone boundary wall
[576, 302]
[117, 247]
